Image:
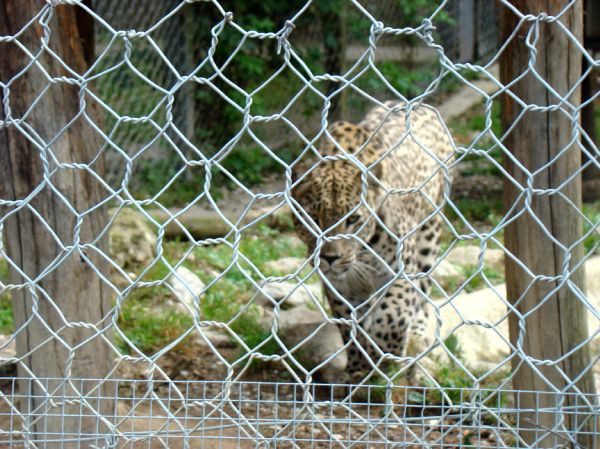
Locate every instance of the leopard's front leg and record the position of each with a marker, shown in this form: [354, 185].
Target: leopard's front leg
[382, 325]
[397, 325]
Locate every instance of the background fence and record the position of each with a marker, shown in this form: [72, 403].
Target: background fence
[468, 31]
[153, 292]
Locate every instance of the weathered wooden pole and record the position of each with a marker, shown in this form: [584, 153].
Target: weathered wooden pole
[333, 21]
[52, 228]
[550, 326]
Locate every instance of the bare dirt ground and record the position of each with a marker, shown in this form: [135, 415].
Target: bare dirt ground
[228, 419]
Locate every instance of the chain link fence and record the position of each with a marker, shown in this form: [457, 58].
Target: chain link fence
[195, 252]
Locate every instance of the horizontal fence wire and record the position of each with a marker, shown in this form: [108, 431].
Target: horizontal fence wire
[252, 414]
[180, 266]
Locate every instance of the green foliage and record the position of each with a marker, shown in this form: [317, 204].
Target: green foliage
[453, 378]
[414, 11]
[6, 311]
[154, 177]
[473, 278]
[6, 315]
[249, 164]
[486, 210]
[592, 241]
[410, 82]
[254, 62]
[150, 329]
[452, 345]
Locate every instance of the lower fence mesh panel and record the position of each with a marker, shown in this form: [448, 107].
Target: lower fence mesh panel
[154, 414]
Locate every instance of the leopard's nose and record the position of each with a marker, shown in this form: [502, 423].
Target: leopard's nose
[329, 258]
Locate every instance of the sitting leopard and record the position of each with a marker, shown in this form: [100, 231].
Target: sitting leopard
[368, 206]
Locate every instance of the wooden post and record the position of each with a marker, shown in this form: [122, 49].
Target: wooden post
[553, 318]
[63, 288]
[333, 20]
[466, 30]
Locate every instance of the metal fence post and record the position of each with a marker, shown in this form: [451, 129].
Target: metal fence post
[544, 281]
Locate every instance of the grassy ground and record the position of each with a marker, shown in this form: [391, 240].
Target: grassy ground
[6, 318]
[232, 287]
[448, 374]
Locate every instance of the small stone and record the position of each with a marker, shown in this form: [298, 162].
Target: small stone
[187, 286]
[469, 255]
[132, 241]
[287, 265]
[299, 326]
[486, 345]
[7, 350]
[217, 338]
[289, 295]
[445, 271]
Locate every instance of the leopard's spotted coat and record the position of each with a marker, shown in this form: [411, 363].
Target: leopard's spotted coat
[373, 217]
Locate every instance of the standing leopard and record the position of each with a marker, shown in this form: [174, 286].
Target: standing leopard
[368, 206]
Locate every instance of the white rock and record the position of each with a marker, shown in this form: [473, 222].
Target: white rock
[289, 294]
[218, 339]
[319, 339]
[8, 349]
[445, 271]
[469, 255]
[484, 341]
[592, 288]
[592, 277]
[483, 344]
[187, 286]
[287, 265]
[131, 239]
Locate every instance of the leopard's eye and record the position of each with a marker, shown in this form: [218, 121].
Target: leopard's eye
[352, 219]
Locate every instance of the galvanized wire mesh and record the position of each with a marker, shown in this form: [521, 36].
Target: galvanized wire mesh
[247, 414]
[147, 405]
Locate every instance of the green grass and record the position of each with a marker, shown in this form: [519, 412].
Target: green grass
[449, 374]
[148, 329]
[222, 302]
[473, 122]
[450, 378]
[484, 210]
[472, 279]
[6, 315]
[592, 241]
[150, 325]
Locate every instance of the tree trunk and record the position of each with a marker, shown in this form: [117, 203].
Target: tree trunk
[550, 327]
[53, 229]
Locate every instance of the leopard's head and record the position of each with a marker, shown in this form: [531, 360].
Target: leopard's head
[338, 200]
